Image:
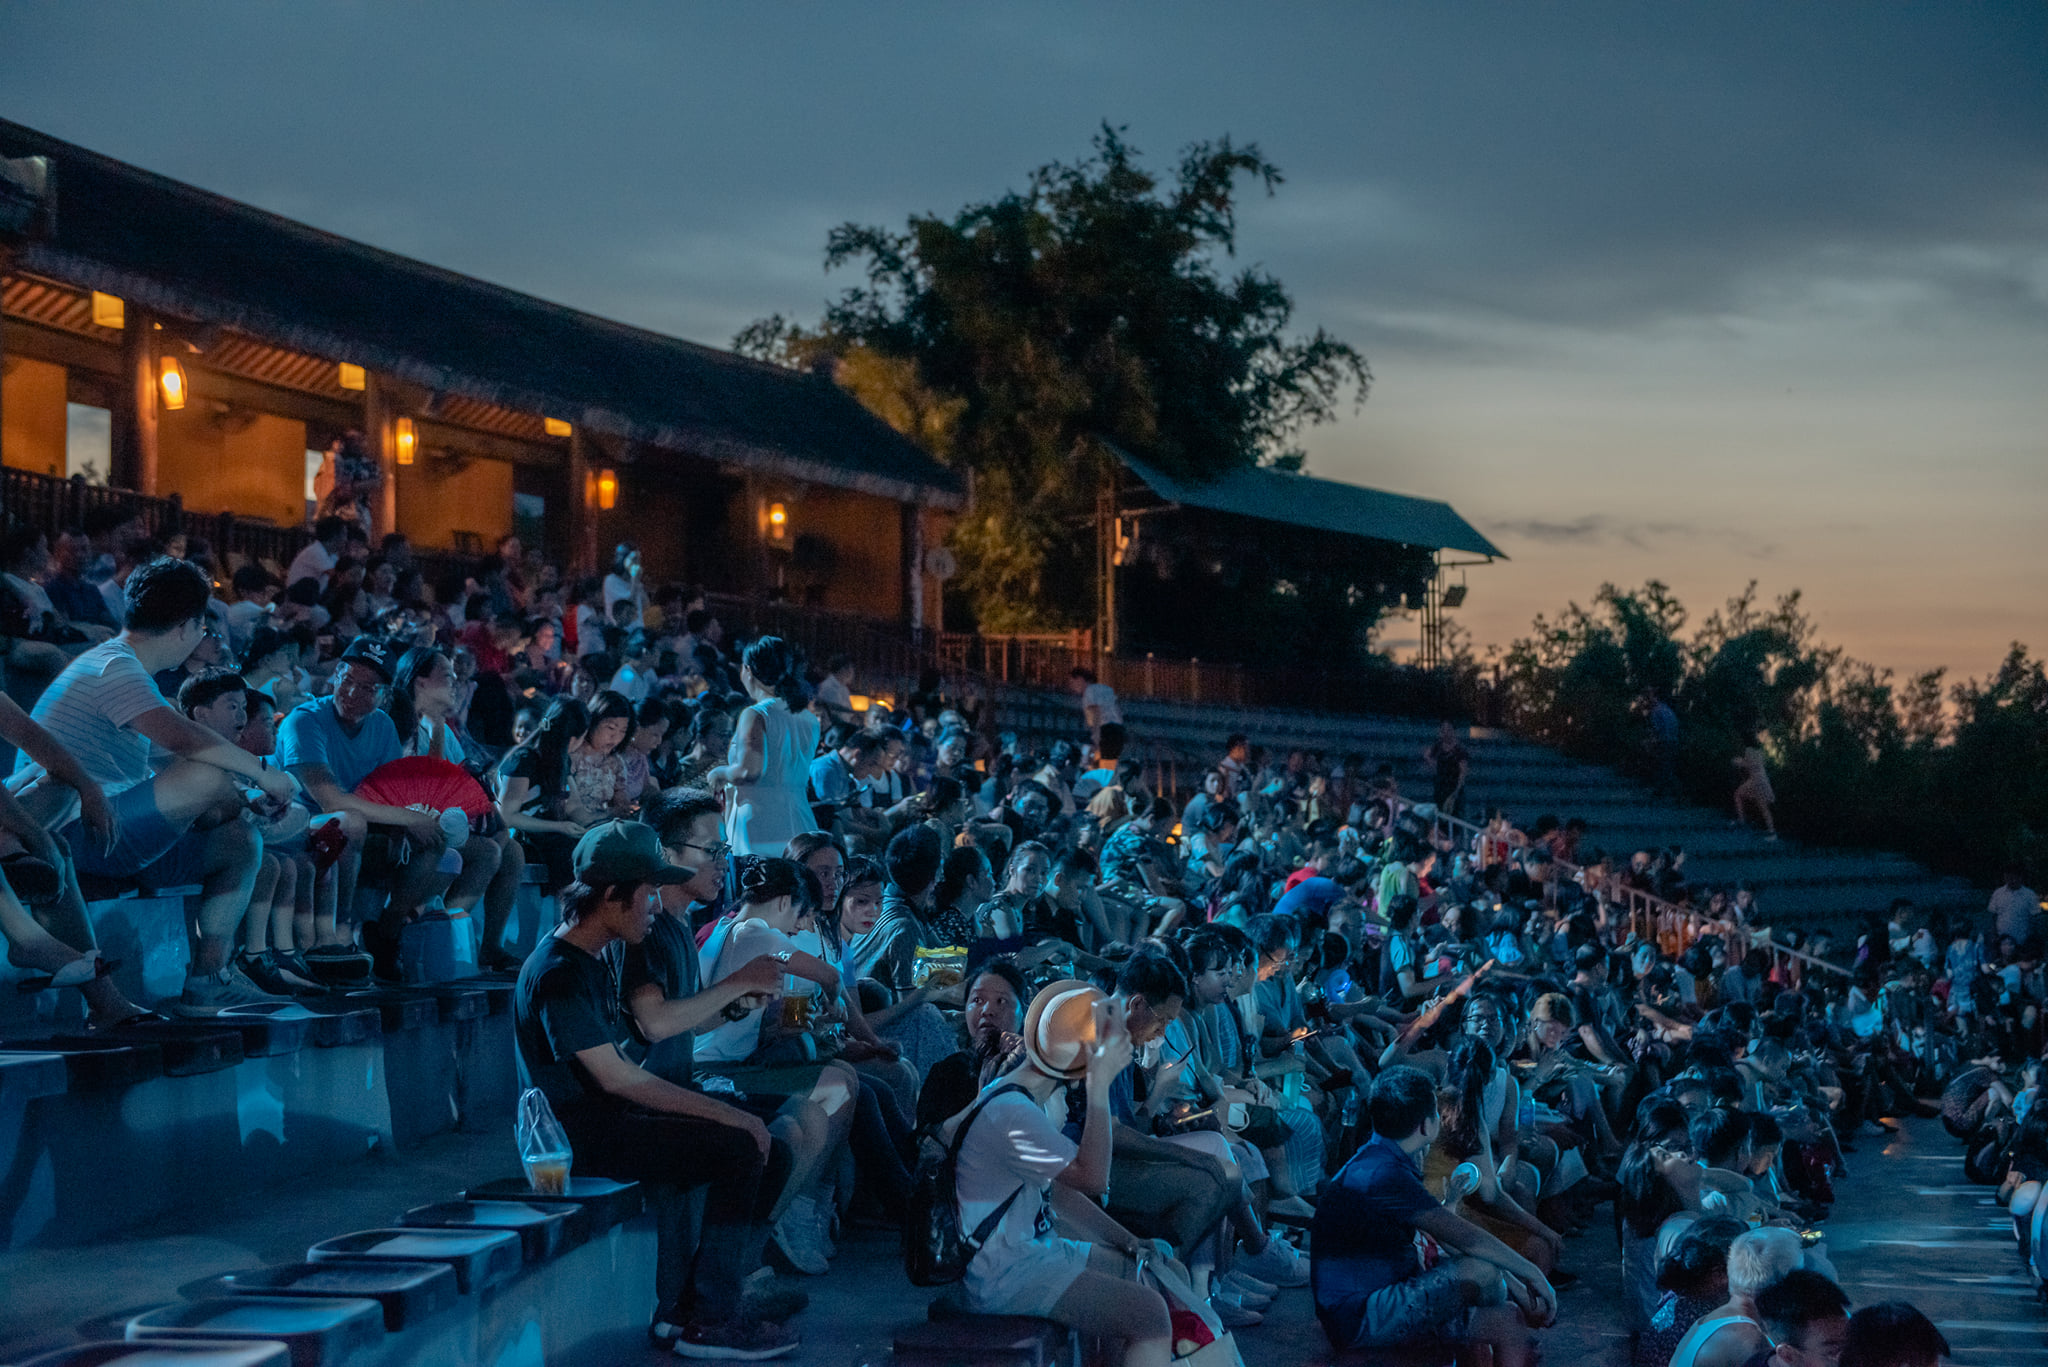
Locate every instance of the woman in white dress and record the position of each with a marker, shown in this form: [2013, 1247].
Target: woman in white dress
[767, 772]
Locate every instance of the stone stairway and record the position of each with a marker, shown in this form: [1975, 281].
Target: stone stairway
[1796, 884]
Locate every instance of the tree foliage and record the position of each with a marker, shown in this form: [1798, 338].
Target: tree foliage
[1957, 775]
[1094, 303]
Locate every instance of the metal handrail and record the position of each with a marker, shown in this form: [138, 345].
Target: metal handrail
[1672, 927]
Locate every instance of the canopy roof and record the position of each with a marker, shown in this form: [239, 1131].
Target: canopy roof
[1324, 504]
[191, 254]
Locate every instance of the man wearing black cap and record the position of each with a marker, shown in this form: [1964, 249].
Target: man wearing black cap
[624, 1122]
[330, 745]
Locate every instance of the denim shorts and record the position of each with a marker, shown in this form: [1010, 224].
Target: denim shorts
[1419, 1312]
[147, 847]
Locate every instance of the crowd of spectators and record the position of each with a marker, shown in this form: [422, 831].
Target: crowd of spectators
[1300, 1032]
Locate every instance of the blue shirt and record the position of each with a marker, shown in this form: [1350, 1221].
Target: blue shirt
[1311, 896]
[1363, 1239]
[831, 780]
[312, 734]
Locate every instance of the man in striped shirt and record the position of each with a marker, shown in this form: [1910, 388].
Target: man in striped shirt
[182, 823]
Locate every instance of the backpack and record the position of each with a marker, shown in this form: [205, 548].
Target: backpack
[935, 1250]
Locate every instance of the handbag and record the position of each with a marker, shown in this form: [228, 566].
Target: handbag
[1262, 1128]
[935, 1250]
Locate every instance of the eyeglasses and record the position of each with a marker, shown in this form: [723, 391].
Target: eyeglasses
[717, 850]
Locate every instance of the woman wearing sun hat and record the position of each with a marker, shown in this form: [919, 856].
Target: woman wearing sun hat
[1014, 1156]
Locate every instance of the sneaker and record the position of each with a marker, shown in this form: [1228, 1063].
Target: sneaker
[208, 993]
[773, 1300]
[296, 972]
[795, 1237]
[1249, 1299]
[262, 970]
[1279, 1264]
[736, 1340]
[1291, 1210]
[1237, 1279]
[339, 965]
[1234, 1313]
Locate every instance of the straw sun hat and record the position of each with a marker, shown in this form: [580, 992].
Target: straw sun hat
[1059, 1028]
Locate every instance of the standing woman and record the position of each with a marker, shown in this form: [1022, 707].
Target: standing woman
[1754, 792]
[765, 776]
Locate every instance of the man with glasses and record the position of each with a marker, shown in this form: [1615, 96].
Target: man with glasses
[331, 745]
[667, 1003]
[105, 709]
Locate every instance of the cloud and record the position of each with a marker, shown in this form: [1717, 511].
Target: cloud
[1595, 529]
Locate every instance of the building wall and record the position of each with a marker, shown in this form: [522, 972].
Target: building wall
[32, 409]
[441, 495]
[866, 536]
[248, 463]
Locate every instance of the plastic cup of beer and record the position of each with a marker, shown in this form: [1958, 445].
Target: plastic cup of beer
[796, 1012]
[548, 1175]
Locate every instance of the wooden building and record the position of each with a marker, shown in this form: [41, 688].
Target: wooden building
[216, 345]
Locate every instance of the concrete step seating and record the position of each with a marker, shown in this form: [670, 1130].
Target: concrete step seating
[467, 1281]
[1797, 886]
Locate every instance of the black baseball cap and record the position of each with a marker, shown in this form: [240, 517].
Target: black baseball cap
[623, 852]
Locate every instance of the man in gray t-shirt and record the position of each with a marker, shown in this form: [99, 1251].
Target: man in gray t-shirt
[105, 709]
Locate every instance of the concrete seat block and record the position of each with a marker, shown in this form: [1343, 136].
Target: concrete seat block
[607, 1203]
[147, 935]
[545, 1229]
[319, 1332]
[481, 1257]
[182, 1353]
[408, 1292]
[982, 1341]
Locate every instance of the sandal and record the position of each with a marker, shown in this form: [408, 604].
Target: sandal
[80, 971]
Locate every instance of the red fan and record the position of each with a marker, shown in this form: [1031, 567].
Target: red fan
[422, 780]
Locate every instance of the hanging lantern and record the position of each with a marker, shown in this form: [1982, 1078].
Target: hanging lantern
[171, 376]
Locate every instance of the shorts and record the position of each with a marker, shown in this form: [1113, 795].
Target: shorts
[147, 847]
[1419, 1312]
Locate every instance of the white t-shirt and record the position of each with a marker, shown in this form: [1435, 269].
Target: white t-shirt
[616, 588]
[1023, 1268]
[2014, 911]
[451, 748]
[314, 562]
[836, 696]
[1102, 696]
[736, 1041]
[88, 709]
[589, 631]
[633, 684]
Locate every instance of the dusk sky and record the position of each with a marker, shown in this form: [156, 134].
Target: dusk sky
[1707, 293]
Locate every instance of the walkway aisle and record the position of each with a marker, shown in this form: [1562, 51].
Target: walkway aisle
[1907, 1226]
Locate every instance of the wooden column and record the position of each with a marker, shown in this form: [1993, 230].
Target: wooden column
[134, 456]
[913, 568]
[6, 260]
[583, 462]
[382, 440]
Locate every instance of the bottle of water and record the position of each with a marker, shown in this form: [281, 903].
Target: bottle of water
[1351, 1107]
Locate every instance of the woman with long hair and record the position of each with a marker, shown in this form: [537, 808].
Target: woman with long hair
[766, 776]
[533, 789]
[422, 704]
[910, 1026]
[597, 774]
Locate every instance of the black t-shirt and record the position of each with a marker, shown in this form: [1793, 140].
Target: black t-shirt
[667, 958]
[525, 763]
[565, 1002]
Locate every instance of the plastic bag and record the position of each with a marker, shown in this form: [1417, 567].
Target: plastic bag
[543, 1145]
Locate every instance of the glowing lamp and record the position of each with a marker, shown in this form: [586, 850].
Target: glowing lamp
[778, 521]
[108, 311]
[861, 702]
[350, 376]
[407, 439]
[554, 427]
[171, 376]
[607, 489]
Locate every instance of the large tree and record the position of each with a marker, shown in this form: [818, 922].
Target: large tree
[1094, 303]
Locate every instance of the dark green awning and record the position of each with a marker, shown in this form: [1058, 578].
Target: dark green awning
[1324, 504]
